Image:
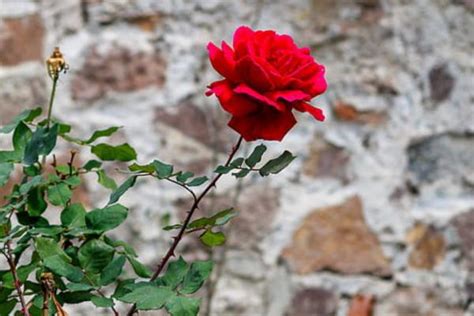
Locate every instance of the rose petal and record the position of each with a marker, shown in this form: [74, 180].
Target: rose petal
[289, 95]
[233, 103]
[268, 124]
[253, 74]
[317, 113]
[222, 61]
[246, 90]
[242, 35]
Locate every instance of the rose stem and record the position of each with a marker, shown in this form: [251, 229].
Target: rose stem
[194, 207]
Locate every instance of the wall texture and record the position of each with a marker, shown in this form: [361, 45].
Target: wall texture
[377, 211]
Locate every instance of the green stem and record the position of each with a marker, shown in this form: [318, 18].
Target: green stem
[51, 100]
[50, 107]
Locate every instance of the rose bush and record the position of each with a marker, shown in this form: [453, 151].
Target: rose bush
[266, 77]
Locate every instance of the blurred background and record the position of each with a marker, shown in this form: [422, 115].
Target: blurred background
[377, 212]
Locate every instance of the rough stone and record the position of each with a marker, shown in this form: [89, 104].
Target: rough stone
[361, 305]
[464, 224]
[441, 156]
[118, 70]
[428, 247]
[21, 39]
[441, 83]
[415, 301]
[349, 113]
[313, 301]
[257, 206]
[19, 92]
[196, 123]
[338, 239]
[326, 160]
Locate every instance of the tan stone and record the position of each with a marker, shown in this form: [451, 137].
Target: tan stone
[326, 160]
[415, 301]
[197, 123]
[428, 247]
[347, 112]
[361, 305]
[117, 70]
[336, 238]
[464, 224]
[21, 39]
[313, 301]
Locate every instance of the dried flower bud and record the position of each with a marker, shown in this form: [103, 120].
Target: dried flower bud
[56, 64]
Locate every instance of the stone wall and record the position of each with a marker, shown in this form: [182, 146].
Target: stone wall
[378, 210]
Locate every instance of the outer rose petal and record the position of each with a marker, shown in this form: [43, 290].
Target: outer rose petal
[222, 60]
[319, 83]
[242, 35]
[233, 103]
[317, 113]
[289, 95]
[246, 90]
[268, 124]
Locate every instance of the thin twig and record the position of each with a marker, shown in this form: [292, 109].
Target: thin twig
[177, 238]
[16, 280]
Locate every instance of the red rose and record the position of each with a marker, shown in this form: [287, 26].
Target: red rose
[266, 77]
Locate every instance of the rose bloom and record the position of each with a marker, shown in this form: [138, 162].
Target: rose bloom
[266, 77]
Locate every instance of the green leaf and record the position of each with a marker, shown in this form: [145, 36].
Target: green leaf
[73, 181]
[92, 164]
[223, 217]
[163, 170]
[42, 143]
[49, 231]
[218, 219]
[34, 182]
[183, 306]
[25, 116]
[175, 273]
[106, 218]
[105, 180]
[130, 182]
[63, 128]
[171, 227]
[184, 176]
[100, 301]
[237, 162]
[48, 247]
[197, 181]
[74, 287]
[21, 138]
[223, 169]
[74, 215]
[101, 133]
[119, 243]
[95, 255]
[59, 194]
[256, 156]
[148, 297]
[22, 272]
[7, 306]
[122, 288]
[242, 173]
[212, 239]
[140, 269]
[5, 171]
[197, 274]
[149, 168]
[59, 266]
[108, 152]
[74, 297]
[278, 164]
[112, 271]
